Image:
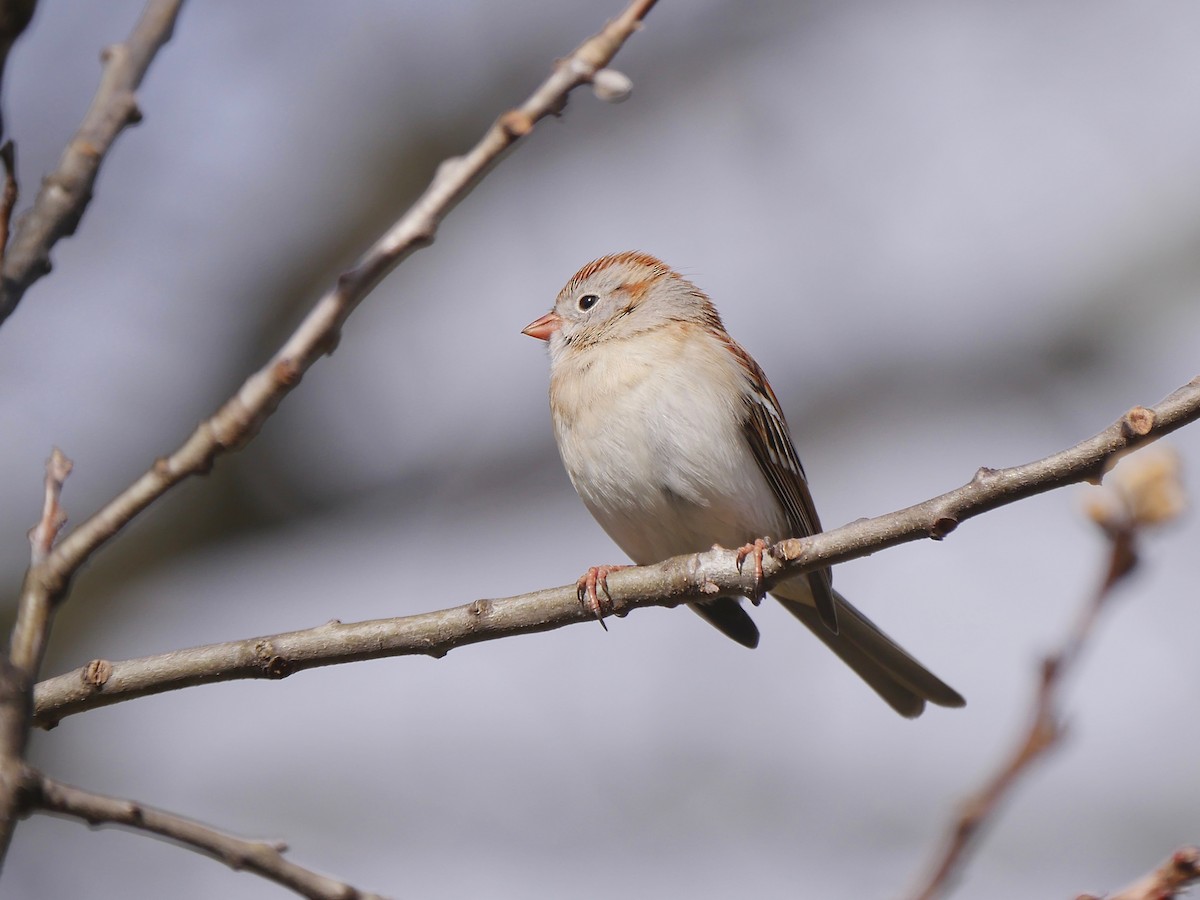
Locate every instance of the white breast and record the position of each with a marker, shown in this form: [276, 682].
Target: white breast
[650, 432]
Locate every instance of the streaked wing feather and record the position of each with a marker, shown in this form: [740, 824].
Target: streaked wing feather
[771, 443]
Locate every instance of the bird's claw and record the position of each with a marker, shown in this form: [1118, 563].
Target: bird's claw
[755, 549]
[585, 588]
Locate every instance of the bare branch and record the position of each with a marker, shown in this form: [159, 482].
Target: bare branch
[18, 670]
[15, 16]
[264, 858]
[240, 418]
[678, 580]
[8, 155]
[66, 192]
[58, 467]
[1147, 497]
[1175, 875]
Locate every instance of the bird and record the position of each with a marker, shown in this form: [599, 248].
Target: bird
[676, 443]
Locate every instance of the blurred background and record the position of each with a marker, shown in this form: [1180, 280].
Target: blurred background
[954, 234]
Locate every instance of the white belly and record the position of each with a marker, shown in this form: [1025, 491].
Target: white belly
[657, 452]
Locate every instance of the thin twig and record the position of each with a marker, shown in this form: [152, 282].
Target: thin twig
[669, 583]
[264, 858]
[8, 155]
[1179, 872]
[15, 16]
[66, 192]
[1122, 521]
[17, 670]
[41, 538]
[240, 418]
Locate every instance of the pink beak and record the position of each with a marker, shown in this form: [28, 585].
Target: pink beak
[544, 327]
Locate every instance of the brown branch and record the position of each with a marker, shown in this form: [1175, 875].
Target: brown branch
[66, 192]
[1177, 874]
[15, 16]
[264, 858]
[20, 666]
[8, 155]
[668, 583]
[240, 418]
[1138, 501]
[42, 537]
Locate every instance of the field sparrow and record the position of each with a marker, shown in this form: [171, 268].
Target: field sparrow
[675, 442]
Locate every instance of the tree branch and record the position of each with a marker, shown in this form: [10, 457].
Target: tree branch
[19, 668]
[264, 858]
[15, 16]
[675, 581]
[239, 419]
[8, 156]
[66, 192]
[1148, 495]
[1175, 875]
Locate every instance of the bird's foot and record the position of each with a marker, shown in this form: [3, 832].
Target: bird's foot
[585, 587]
[755, 549]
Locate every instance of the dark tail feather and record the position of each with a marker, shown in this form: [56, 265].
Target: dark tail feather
[728, 617]
[882, 663]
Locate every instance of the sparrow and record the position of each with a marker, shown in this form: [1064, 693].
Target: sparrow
[675, 442]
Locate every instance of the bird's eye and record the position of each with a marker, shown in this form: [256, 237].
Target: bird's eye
[587, 301]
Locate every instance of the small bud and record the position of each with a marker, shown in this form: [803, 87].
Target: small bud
[611, 86]
[1145, 489]
[1152, 485]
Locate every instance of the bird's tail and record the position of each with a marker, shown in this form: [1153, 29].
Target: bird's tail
[879, 661]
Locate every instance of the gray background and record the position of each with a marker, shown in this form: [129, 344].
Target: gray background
[954, 234]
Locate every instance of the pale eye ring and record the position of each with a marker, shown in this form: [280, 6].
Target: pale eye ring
[587, 301]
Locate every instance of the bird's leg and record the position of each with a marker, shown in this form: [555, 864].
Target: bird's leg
[756, 550]
[585, 587]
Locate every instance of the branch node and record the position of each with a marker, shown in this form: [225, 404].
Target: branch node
[272, 664]
[97, 673]
[515, 123]
[982, 474]
[480, 609]
[287, 372]
[1138, 422]
[942, 527]
[611, 86]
